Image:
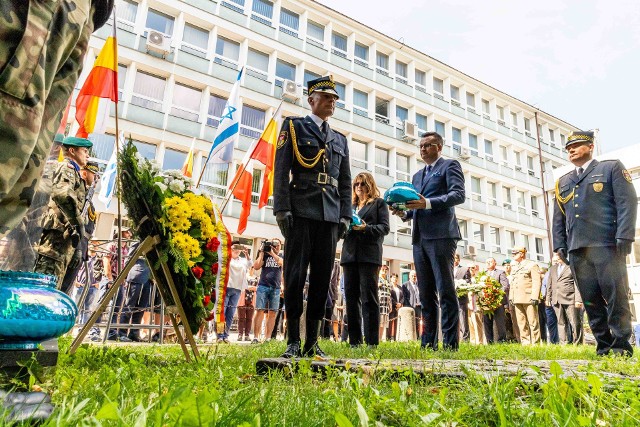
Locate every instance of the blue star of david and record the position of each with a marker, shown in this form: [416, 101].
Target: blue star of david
[230, 111]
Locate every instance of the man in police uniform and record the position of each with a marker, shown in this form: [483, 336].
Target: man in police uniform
[313, 209]
[63, 225]
[89, 174]
[594, 225]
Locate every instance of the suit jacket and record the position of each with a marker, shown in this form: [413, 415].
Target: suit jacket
[305, 191]
[599, 207]
[366, 245]
[398, 299]
[461, 272]
[407, 293]
[561, 288]
[526, 282]
[444, 188]
[501, 277]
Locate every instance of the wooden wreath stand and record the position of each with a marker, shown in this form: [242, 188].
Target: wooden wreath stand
[165, 285]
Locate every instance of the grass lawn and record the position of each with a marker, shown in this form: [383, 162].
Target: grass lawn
[154, 386]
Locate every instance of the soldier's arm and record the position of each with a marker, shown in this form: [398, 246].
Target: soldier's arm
[64, 195]
[536, 281]
[626, 201]
[559, 227]
[344, 184]
[284, 156]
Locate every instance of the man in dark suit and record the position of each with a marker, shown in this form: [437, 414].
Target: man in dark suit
[564, 298]
[435, 234]
[312, 208]
[594, 225]
[411, 296]
[462, 273]
[496, 321]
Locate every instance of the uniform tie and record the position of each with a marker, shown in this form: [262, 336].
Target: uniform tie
[325, 129]
[580, 172]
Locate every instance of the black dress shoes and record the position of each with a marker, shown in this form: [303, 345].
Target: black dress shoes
[293, 350]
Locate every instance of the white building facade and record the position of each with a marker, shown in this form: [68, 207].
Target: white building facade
[178, 60]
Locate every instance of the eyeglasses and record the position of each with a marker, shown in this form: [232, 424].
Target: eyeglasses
[359, 184]
[427, 146]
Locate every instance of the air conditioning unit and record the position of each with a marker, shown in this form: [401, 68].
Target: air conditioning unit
[526, 132]
[464, 153]
[158, 43]
[486, 116]
[518, 168]
[501, 122]
[291, 91]
[470, 250]
[410, 131]
[455, 102]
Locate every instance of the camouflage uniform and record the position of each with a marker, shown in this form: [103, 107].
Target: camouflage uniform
[62, 225]
[42, 47]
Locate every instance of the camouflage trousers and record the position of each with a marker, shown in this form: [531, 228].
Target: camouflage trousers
[54, 254]
[42, 48]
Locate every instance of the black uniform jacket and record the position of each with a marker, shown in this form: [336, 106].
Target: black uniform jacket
[306, 192]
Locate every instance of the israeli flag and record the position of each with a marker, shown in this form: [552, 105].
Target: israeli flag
[108, 179]
[228, 128]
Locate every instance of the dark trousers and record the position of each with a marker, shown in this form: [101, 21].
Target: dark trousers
[542, 319]
[464, 318]
[434, 266]
[552, 324]
[601, 276]
[569, 323]
[245, 318]
[509, 326]
[495, 320]
[418, 311]
[278, 321]
[363, 306]
[311, 244]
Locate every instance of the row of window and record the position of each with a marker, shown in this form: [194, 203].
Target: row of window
[495, 239]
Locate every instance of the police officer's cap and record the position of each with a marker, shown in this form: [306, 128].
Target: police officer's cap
[323, 84]
[74, 141]
[92, 167]
[579, 136]
[518, 249]
[58, 138]
[506, 262]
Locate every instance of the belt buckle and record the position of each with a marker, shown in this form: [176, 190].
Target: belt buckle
[323, 178]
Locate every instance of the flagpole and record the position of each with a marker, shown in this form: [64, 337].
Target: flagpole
[255, 146]
[117, 183]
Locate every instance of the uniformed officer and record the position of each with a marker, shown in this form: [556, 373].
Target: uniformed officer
[89, 173]
[313, 209]
[524, 295]
[63, 225]
[594, 224]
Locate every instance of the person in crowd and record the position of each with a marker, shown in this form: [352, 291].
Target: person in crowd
[238, 270]
[63, 225]
[546, 315]
[361, 261]
[93, 270]
[411, 294]
[476, 316]
[332, 297]
[564, 298]
[384, 300]
[440, 185]
[524, 295]
[397, 299]
[279, 323]
[269, 261]
[513, 333]
[462, 273]
[312, 204]
[110, 259]
[594, 229]
[496, 320]
[42, 55]
[338, 302]
[90, 174]
[246, 309]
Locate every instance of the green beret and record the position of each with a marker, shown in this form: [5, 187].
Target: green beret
[73, 141]
[58, 138]
[92, 167]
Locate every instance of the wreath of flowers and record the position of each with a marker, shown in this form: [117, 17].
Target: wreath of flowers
[491, 295]
[463, 287]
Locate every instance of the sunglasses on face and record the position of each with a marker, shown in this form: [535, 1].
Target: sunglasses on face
[359, 184]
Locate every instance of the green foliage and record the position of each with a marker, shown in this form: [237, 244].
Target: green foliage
[154, 386]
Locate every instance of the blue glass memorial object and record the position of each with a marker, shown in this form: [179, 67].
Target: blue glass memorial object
[32, 310]
[399, 194]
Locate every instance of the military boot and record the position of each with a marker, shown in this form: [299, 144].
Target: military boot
[293, 341]
[311, 347]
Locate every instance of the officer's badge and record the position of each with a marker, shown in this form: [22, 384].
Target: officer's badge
[282, 139]
[626, 175]
[598, 186]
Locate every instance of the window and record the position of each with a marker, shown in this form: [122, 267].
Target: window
[562, 140]
[525, 243]
[339, 43]
[539, 249]
[552, 135]
[527, 124]
[500, 115]
[361, 54]
[284, 70]
[521, 205]
[455, 92]
[160, 22]
[506, 199]
[401, 72]
[382, 63]
[505, 155]
[127, 11]
[342, 93]
[232, 5]
[530, 166]
[486, 108]
[315, 33]
[471, 101]
[148, 91]
[227, 52]
[358, 154]
[361, 103]
[382, 110]
[440, 128]
[258, 63]
[493, 193]
[421, 121]
[514, 121]
[511, 239]
[534, 206]
[478, 234]
[488, 150]
[382, 161]
[262, 11]
[473, 144]
[518, 160]
[103, 145]
[494, 234]
[252, 121]
[122, 77]
[402, 167]
[308, 75]
[146, 150]
[402, 114]
[215, 178]
[462, 225]
[186, 102]
[476, 191]
[456, 136]
[289, 22]
[438, 85]
[216, 107]
[196, 38]
[421, 78]
[173, 159]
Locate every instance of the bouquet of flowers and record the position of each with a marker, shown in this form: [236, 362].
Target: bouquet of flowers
[463, 287]
[491, 295]
[193, 239]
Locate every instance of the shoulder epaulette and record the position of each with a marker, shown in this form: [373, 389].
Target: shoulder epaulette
[294, 118]
[338, 132]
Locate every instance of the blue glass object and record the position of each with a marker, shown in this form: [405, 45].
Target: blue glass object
[32, 310]
[355, 219]
[399, 194]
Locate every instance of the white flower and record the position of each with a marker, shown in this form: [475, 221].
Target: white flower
[161, 186]
[176, 186]
[155, 167]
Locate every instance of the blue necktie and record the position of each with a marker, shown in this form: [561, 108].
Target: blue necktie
[426, 175]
